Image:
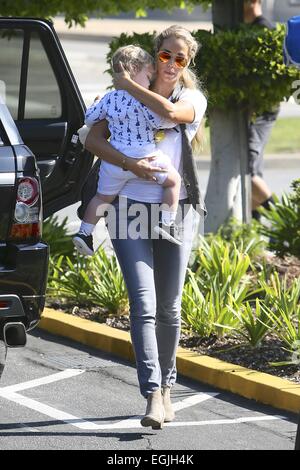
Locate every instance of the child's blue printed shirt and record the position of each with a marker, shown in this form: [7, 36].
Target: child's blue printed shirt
[131, 124]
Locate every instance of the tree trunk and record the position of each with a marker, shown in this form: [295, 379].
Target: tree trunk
[229, 186]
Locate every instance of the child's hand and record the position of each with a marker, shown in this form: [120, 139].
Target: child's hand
[120, 77]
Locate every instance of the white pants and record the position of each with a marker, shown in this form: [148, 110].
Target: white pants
[112, 178]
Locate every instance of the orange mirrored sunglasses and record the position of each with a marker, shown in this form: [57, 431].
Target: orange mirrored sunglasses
[179, 61]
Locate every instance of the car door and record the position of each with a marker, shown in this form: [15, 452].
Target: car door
[42, 95]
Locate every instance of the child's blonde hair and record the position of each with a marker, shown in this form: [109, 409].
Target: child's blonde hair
[133, 59]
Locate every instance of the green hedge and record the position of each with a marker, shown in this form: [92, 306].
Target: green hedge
[242, 67]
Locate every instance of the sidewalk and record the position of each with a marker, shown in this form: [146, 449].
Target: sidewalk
[106, 28]
[271, 161]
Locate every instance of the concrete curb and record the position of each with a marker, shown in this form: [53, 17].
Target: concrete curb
[264, 388]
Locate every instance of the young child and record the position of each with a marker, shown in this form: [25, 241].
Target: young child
[132, 127]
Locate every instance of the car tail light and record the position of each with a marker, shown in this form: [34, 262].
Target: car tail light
[25, 231]
[27, 218]
[28, 191]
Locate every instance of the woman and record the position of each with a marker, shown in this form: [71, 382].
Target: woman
[154, 269]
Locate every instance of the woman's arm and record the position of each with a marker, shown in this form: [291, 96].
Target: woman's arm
[181, 112]
[96, 143]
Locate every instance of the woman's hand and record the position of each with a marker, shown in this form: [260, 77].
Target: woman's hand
[143, 169]
[121, 77]
[96, 143]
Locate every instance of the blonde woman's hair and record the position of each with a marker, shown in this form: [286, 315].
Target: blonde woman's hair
[133, 59]
[188, 78]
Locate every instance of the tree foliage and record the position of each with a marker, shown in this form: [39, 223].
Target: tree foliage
[77, 11]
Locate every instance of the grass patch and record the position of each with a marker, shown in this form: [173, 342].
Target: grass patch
[285, 137]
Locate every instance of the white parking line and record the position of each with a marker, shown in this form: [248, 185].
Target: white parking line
[65, 374]
[49, 411]
[212, 422]
[193, 400]
[10, 393]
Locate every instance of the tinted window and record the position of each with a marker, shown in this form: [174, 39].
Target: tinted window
[43, 98]
[11, 47]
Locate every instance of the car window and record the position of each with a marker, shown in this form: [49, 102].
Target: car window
[43, 99]
[11, 47]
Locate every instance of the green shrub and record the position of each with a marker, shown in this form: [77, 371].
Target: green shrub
[195, 312]
[67, 279]
[283, 227]
[244, 67]
[287, 327]
[254, 322]
[107, 287]
[219, 286]
[216, 257]
[56, 235]
[97, 280]
[283, 308]
[209, 314]
[246, 237]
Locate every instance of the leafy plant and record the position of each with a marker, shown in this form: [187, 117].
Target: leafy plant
[295, 356]
[196, 313]
[277, 292]
[245, 237]
[107, 287]
[256, 80]
[55, 233]
[283, 308]
[283, 219]
[295, 196]
[206, 315]
[67, 279]
[216, 257]
[208, 303]
[254, 322]
[87, 281]
[287, 329]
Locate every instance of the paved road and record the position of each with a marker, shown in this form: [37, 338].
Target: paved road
[57, 394]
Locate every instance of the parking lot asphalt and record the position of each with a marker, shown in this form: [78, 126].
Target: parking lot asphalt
[58, 394]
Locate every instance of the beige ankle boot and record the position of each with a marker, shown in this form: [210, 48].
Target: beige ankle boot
[169, 412]
[155, 413]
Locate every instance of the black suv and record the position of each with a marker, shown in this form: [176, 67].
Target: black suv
[41, 167]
